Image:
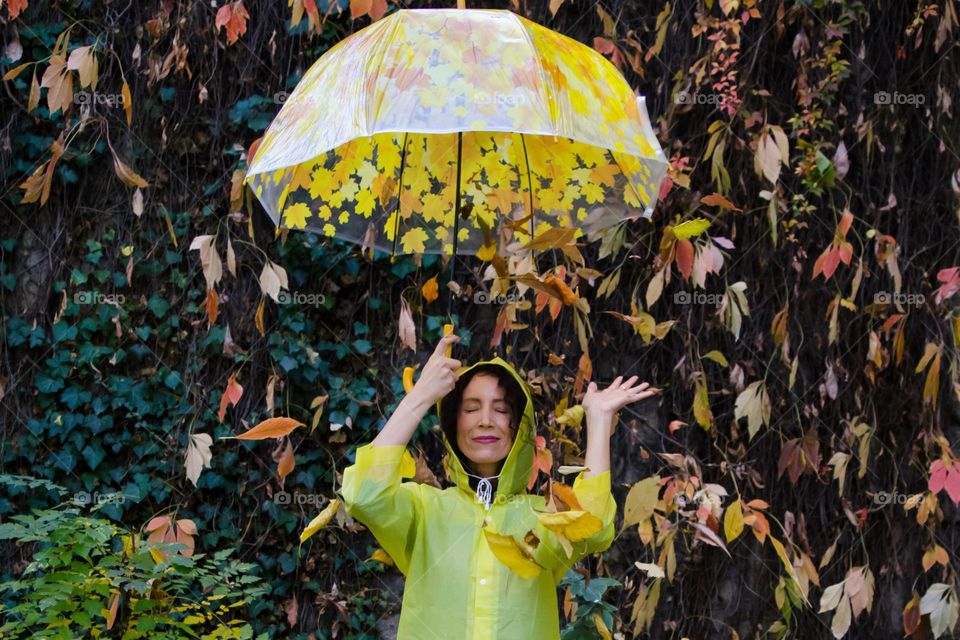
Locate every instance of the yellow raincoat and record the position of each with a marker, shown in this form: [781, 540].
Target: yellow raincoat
[455, 587]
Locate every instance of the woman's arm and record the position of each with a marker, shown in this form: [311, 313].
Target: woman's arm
[438, 378]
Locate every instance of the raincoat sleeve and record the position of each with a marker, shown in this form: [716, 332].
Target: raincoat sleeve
[373, 493]
[594, 496]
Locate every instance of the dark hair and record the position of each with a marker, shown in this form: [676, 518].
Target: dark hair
[514, 396]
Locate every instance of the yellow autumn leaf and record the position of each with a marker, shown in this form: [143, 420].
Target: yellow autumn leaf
[733, 521]
[601, 627]
[574, 525]
[127, 102]
[517, 556]
[641, 501]
[322, 520]
[382, 556]
[408, 466]
[691, 228]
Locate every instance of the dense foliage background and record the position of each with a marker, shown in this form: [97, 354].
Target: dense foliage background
[818, 408]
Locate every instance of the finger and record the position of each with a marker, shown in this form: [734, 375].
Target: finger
[630, 381]
[444, 341]
[453, 364]
[616, 381]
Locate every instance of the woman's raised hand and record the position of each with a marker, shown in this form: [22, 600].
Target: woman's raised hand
[619, 394]
[439, 375]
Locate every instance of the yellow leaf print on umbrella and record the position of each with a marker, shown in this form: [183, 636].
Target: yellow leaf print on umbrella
[456, 131]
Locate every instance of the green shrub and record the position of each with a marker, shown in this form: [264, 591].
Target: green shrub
[92, 578]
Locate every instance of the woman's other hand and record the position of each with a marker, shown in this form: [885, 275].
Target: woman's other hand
[603, 405]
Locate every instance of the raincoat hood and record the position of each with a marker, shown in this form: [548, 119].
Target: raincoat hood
[518, 466]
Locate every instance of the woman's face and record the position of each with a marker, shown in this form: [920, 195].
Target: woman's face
[484, 432]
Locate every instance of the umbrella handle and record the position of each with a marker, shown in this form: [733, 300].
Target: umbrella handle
[408, 371]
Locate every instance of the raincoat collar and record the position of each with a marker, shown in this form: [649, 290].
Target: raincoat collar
[515, 473]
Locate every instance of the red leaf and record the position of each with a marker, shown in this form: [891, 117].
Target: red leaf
[845, 250]
[233, 17]
[15, 7]
[938, 476]
[845, 221]
[831, 262]
[818, 265]
[953, 483]
[603, 45]
[951, 283]
[685, 257]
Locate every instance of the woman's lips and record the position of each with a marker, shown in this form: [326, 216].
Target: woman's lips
[486, 439]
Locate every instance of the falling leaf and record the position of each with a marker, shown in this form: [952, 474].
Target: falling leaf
[198, 455]
[231, 395]
[714, 200]
[322, 520]
[269, 428]
[209, 259]
[286, 462]
[430, 290]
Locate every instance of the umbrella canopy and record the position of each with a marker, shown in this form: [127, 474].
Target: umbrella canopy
[452, 131]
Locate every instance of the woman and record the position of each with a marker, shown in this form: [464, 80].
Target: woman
[455, 587]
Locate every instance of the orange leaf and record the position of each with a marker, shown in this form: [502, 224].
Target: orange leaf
[114, 604]
[286, 463]
[430, 290]
[566, 494]
[15, 7]
[233, 17]
[129, 177]
[127, 102]
[213, 305]
[717, 200]
[261, 327]
[269, 428]
[231, 395]
[562, 291]
[685, 257]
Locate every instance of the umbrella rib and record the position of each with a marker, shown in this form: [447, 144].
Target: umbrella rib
[396, 226]
[526, 160]
[456, 206]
